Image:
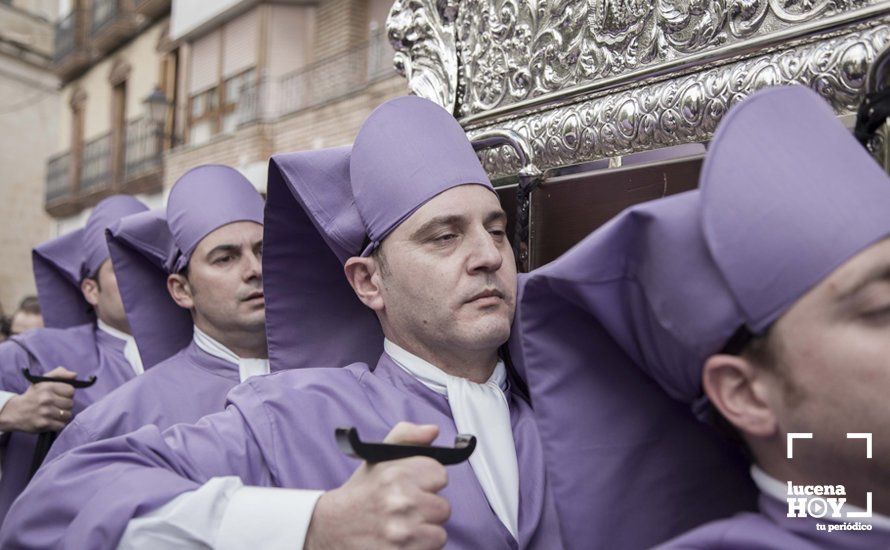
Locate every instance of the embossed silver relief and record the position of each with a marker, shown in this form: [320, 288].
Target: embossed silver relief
[512, 50]
[688, 109]
[473, 56]
[422, 35]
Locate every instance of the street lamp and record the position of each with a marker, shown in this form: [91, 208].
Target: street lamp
[156, 105]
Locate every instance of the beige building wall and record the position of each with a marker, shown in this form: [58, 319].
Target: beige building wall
[334, 124]
[342, 24]
[28, 130]
[291, 36]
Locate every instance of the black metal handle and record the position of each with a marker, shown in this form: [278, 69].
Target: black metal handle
[350, 443]
[45, 439]
[74, 382]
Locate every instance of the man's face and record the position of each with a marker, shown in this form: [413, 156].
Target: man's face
[225, 279]
[448, 275]
[103, 294]
[834, 363]
[22, 321]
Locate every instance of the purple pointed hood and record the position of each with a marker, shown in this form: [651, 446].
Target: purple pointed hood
[62, 263]
[147, 247]
[140, 246]
[57, 266]
[327, 206]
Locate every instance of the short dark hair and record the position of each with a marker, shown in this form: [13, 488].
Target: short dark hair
[380, 258]
[760, 350]
[30, 304]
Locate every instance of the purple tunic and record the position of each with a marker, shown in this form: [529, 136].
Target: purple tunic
[183, 388]
[85, 350]
[772, 530]
[266, 439]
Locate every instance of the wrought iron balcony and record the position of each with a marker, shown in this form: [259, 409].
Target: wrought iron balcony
[140, 171]
[95, 174]
[111, 22]
[143, 157]
[103, 13]
[58, 178]
[71, 54]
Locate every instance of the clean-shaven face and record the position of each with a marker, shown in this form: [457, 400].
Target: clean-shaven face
[108, 304]
[226, 278]
[449, 277]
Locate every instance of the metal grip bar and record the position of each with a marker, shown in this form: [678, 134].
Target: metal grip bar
[351, 445]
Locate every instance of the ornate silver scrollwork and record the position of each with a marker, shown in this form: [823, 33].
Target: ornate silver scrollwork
[688, 109]
[512, 50]
[422, 34]
[582, 80]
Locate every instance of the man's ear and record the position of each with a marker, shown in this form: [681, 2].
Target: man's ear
[362, 274]
[181, 291]
[90, 289]
[740, 391]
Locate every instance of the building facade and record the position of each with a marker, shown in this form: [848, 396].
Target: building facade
[110, 55]
[28, 129]
[133, 93]
[256, 78]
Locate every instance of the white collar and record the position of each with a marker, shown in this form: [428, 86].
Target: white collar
[778, 490]
[131, 351]
[246, 367]
[108, 329]
[481, 410]
[432, 376]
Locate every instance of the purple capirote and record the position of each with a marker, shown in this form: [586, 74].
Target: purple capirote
[61, 264]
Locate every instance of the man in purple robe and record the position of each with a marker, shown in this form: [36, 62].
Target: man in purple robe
[410, 216]
[193, 293]
[87, 334]
[760, 302]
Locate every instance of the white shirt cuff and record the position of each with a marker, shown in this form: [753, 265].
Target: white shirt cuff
[268, 518]
[5, 396]
[224, 514]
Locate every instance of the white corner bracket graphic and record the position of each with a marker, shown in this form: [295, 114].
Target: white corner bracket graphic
[867, 437]
[865, 513]
[796, 435]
